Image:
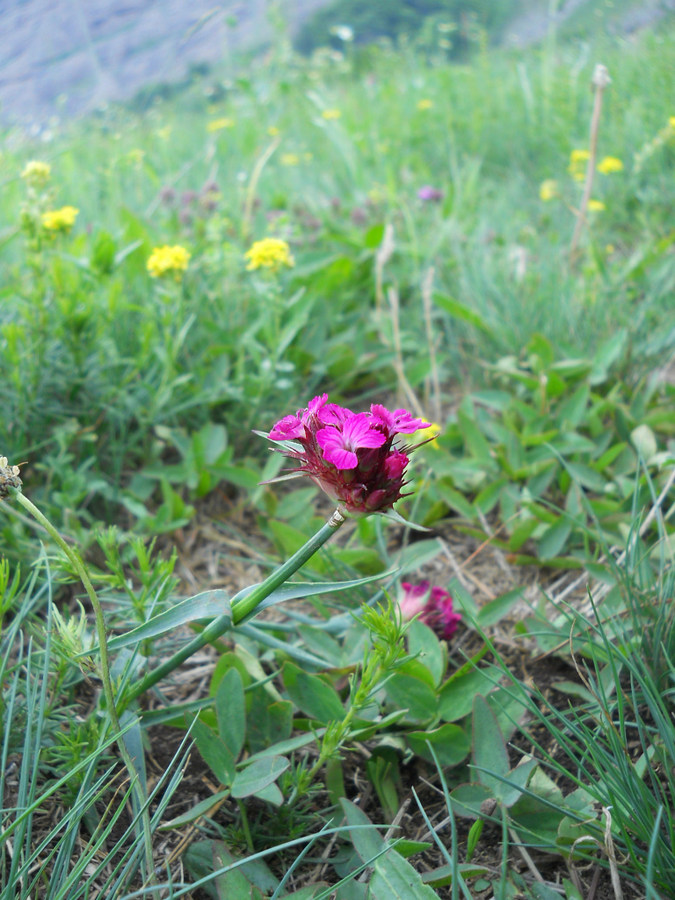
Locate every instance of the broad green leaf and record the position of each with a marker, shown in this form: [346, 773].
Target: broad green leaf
[457, 695]
[418, 554]
[395, 879]
[413, 694]
[312, 695]
[457, 501]
[258, 775]
[489, 749]
[367, 841]
[214, 752]
[554, 538]
[268, 722]
[206, 605]
[417, 669]
[322, 644]
[466, 800]
[586, 476]
[428, 650]
[476, 442]
[256, 874]
[450, 742]
[496, 609]
[231, 711]
[270, 794]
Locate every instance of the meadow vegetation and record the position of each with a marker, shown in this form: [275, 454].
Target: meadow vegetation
[388, 227]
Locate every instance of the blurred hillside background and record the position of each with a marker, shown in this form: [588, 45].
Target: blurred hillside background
[64, 57]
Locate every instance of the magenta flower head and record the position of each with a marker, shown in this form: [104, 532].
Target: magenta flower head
[430, 194]
[354, 457]
[432, 604]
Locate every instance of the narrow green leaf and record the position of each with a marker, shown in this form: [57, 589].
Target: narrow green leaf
[458, 311]
[206, 605]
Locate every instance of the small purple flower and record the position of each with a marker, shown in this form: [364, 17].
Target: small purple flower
[433, 605]
[430, 194]
[351, 456]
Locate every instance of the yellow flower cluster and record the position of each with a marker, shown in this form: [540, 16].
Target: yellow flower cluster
[36, 173]
[330, 114]
[596, 206]
[548, 190]
[60, 219]
[290, 159]
[609, 165]
[166, 260]
[425, 104]
[219, 124]
[577, 166]
[269, 253]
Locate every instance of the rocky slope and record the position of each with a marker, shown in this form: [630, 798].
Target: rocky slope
[71, 55]
[66, 56]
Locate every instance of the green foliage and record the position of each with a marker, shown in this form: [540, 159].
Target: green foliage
[132, 399]
[558, 447]
[396, 19]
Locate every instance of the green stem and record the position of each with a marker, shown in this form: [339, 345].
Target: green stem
[108, 693]
[240, 611]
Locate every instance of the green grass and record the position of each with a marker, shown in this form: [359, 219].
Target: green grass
[131, 400]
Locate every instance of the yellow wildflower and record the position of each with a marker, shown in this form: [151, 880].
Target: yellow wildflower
[60, 219]
[610, 164]
[289, 159]
[165, 260]
[36, 173]
[671, 121]
[269, 253]
[548, 189]
[273, 131]
[577, 166]
[596, 206]
[219, 124]
[425, 104]
[330, 114]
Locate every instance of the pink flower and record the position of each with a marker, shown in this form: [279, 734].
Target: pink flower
[400, 420]
[414, 598]
[339, 444]
[432, 604]
[429, 193]
[351, 456]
